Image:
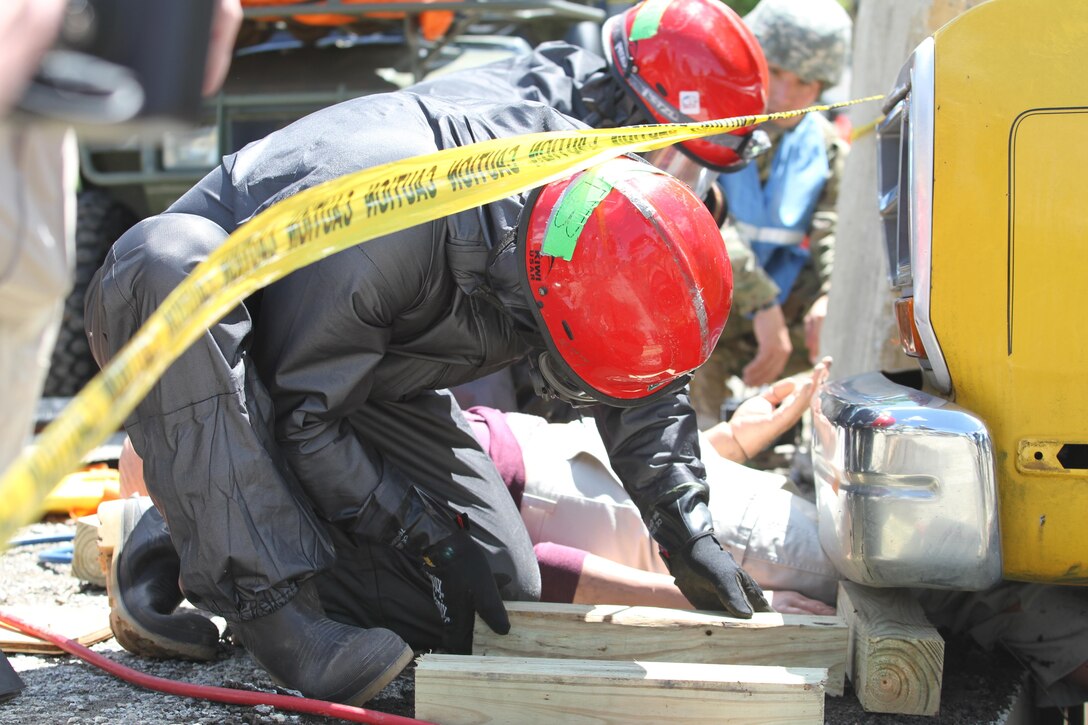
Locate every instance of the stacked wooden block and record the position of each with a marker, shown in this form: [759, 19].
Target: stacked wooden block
[609, 664]
[617, 664]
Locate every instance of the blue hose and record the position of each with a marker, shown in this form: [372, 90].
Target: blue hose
[58, 554]
[48, 539]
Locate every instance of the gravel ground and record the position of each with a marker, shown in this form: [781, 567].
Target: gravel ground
[978, 687]
[66, 690]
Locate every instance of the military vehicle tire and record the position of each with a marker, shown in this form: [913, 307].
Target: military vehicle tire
[100, 220]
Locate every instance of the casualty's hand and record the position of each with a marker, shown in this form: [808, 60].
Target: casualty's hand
[814, 325]
[785, 601]
[463, 585]
[761, 419]
[711, 579]
[774, 347]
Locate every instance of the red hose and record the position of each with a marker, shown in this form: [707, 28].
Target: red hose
[207, 692]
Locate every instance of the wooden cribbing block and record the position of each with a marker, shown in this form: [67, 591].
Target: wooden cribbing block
[87, 560]
[89, 624]
[896, 657]
[615, 632]
[457, 690]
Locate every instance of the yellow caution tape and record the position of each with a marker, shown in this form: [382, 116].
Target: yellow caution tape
[865, 130]
[309, 226]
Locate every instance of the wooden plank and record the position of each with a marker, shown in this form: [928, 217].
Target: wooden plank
[896, 657]
[458, 690]
[87, 625]
[670, 635]
[87, 561]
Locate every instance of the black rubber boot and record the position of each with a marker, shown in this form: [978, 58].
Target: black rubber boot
[144, 593]
[302, 649]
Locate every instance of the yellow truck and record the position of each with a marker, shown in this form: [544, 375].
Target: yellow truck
[983, 472]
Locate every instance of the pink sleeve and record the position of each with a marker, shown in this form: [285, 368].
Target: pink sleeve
[560, 569]
[498, 441]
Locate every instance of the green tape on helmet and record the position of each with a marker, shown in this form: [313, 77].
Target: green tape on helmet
[648, 19]
[577, 202]
[572, 211]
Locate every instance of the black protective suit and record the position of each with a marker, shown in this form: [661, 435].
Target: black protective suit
[573, 81]
[578, 83]
[265, 443]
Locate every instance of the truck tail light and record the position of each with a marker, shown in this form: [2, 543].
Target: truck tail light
[908, 330]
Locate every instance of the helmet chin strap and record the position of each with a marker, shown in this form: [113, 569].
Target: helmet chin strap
[550, 383]
[610, 104]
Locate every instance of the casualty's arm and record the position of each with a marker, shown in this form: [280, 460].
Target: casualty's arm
[761, 419]
[578, 576]
[654, 449]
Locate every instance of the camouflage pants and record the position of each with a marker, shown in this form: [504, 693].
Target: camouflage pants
[736, 348]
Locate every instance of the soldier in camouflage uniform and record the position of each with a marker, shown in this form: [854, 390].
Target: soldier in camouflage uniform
[778, 307]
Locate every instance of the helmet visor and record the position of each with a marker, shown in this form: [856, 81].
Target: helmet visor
[672, 161]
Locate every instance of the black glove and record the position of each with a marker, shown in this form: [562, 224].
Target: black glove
[462, 584]
[706, 574]
[711, 579]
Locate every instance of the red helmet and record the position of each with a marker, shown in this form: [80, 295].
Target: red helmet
[627, 276]
[691, 60]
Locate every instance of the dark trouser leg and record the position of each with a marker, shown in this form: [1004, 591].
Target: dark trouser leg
[244, 533]
[495, 391]
[428, 439]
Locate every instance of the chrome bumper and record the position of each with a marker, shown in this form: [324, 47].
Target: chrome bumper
[905, 487]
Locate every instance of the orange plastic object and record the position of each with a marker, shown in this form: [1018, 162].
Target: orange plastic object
[433, 24]
[78, 494]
